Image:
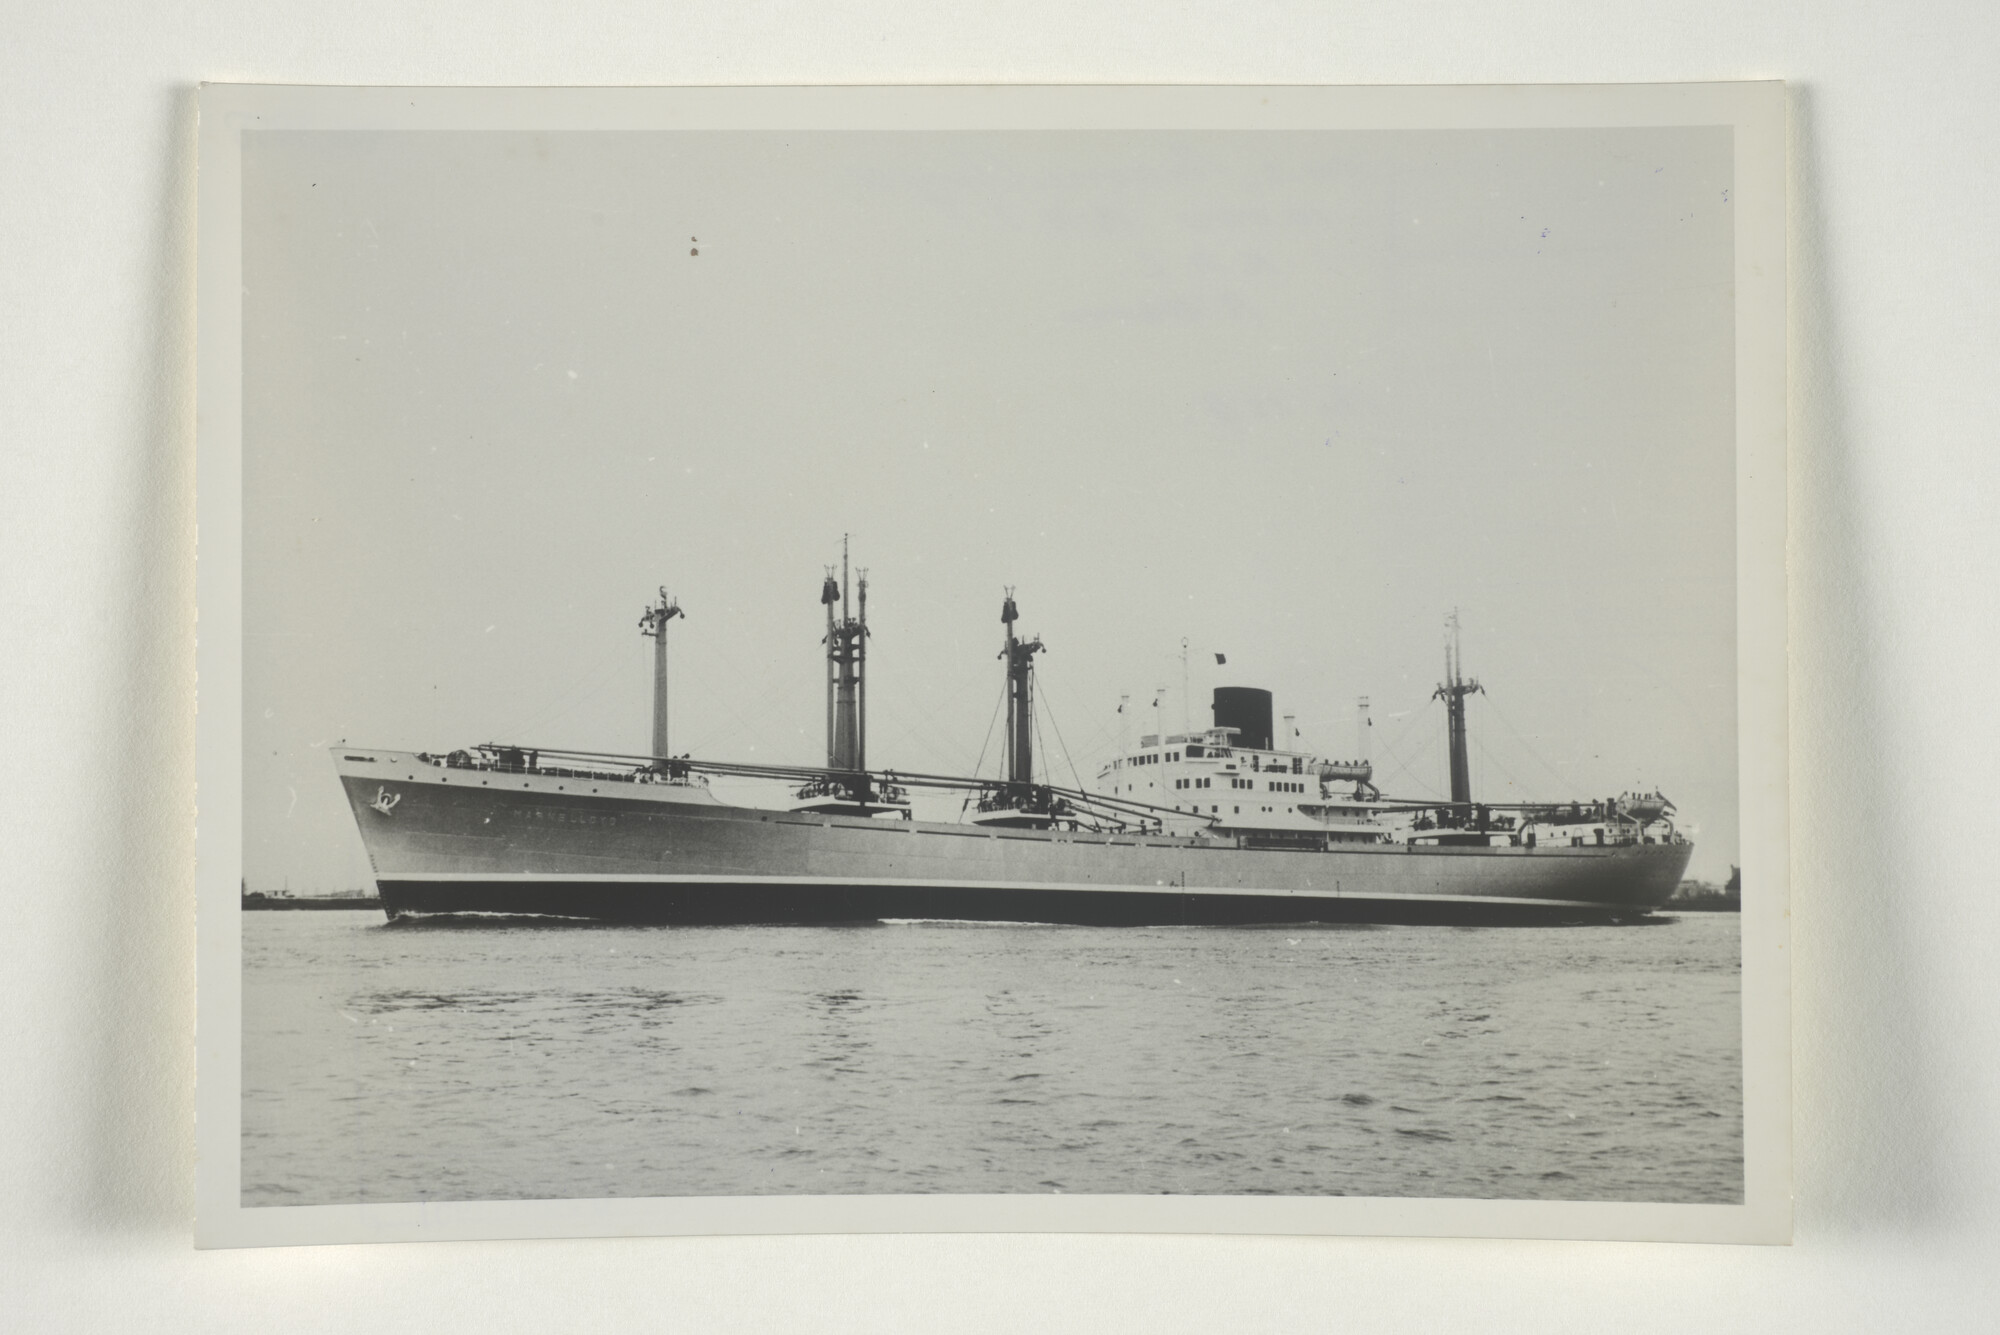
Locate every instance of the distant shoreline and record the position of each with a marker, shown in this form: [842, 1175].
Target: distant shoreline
[1708, 897]
[258, 900]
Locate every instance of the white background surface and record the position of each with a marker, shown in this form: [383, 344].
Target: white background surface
[1894, 129]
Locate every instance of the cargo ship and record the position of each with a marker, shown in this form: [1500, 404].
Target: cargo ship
[1221, 825]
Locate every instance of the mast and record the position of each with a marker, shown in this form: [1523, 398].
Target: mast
[829, 594]
[653, 622]
[861, 678]
[1453, 691]
[1020, 657]
[846, 662]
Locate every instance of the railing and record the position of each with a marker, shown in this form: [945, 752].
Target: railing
[1031, 799]
[853, 789]
[515, 760]
[1109, 810]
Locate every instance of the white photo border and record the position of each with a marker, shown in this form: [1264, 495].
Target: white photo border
[1756, 113]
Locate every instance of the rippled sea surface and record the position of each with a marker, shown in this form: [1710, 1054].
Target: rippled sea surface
[476, 1063]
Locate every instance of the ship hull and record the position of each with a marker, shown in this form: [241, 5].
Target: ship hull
[466, 842]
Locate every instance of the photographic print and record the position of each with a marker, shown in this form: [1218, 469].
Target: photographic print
[847, 655]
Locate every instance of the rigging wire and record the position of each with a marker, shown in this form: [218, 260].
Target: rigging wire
[762, 688]
[1035, 717]
[1393, 749]
[1403, 766]
[1075, 778]
[1391, 743]
[981, 763]
[919, 730]
[745, 715]
[1519, 736]
[1494, 761]
[1101, 739]
[597, 674]
[564, 705]
[921, 745]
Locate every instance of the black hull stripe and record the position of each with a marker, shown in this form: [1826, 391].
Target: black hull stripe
[748, 902]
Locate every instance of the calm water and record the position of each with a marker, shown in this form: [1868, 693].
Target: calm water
[460, 1063]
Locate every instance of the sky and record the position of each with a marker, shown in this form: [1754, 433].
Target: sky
[1288, 397]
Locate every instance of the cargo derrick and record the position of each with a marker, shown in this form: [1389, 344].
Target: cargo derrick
[1453, 691]
[848, 786]
[1019, 800]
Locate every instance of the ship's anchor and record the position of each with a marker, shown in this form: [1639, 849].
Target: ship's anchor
[385, 801]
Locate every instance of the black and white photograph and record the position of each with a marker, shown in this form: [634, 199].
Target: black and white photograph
[784, 656]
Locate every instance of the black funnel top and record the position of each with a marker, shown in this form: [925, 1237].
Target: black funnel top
[1248, 710]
